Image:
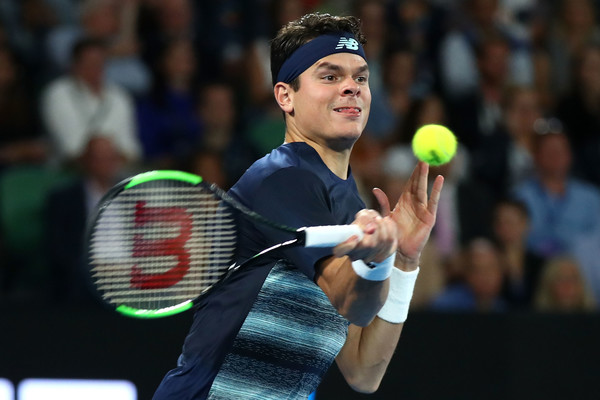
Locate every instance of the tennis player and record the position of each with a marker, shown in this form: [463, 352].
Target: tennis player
[273, 330]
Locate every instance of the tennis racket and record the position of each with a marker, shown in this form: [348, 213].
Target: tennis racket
[161, 240]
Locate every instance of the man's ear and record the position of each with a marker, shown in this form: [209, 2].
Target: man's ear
[284, 96]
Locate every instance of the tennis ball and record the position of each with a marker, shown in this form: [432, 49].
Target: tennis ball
[434, 144]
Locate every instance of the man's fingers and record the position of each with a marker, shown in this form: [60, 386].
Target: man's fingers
[346, 247]
[435, 194]
[421, 190]
[382, 199]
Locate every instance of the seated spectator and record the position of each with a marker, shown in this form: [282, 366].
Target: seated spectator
[522, 108]
[465, 210]
[164, 21]
[587, 253]
[477, 20]
[579, 110]
[482, 286]
[68, 209]
[477, 118]
[113, 23]
[82, 103]
[561, 287]
[563, 209]
[168, 126]
[511, 226]
[218, 114]
[573, 25]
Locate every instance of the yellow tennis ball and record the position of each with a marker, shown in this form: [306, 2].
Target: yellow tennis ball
[434, 144]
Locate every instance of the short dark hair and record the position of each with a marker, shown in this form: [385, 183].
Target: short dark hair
[515, 203]
[84, 44]
[296, 33]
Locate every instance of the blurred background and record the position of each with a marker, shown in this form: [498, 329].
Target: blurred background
[506, 305]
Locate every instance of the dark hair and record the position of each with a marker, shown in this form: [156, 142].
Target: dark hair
[84, 44]
[296, 33]
[515, 203]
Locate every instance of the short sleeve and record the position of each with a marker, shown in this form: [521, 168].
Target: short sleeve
[296, 198]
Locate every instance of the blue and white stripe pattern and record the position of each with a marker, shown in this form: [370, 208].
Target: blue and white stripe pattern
[286, 344]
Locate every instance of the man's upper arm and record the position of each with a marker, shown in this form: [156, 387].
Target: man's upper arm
[296, 198]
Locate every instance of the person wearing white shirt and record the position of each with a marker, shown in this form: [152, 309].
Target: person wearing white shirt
[81, 103]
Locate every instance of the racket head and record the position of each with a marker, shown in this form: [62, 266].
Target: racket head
[158, 242]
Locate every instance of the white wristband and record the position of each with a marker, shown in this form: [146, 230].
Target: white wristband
[379, 272]
[402, 284]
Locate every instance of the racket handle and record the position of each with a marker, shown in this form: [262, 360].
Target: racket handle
[330, 235]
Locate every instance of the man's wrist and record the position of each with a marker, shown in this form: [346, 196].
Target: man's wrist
[406, 264]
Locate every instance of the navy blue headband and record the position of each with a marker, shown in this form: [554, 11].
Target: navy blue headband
[319, 47]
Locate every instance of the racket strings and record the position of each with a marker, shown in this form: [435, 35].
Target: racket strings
[159, 245]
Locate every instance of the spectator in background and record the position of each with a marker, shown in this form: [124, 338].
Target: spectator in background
[521, 111]
[476, 22]
[464, 212]
[218, 114]
[373, 16]
[114, 23]
[587, 253]
[275, 14]
[477, 118]
[226, 29]
[421, 25]
[482, 286]
[211, 167]
[20, 127]
[579, 110]
[563, 209]
[575, 25]
[79, 104]
[27, 23]
[562, 289]
[262, 116]
[393, 101]
[168, 126]
[162, 22]
[511, 226]
[68, 208]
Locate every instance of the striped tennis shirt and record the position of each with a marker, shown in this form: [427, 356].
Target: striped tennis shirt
[270, 332]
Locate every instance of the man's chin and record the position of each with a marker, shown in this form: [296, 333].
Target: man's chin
[344, 142]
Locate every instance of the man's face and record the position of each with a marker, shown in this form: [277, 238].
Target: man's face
[333, 102]
[90, 66]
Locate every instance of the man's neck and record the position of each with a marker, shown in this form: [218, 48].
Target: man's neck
[554, 185]
[95, 88]
[336, 160]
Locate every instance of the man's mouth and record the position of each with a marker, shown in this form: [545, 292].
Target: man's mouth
[348, 110]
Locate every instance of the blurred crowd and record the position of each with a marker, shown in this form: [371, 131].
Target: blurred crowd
[92, 91]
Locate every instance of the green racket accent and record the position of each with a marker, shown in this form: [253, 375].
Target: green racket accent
[165, 312]
[164, 174]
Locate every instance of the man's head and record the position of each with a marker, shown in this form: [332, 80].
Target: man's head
[87, 61]
[511, 222]
[552, 155]
[102, 161]
[301, 31]
[324, 54]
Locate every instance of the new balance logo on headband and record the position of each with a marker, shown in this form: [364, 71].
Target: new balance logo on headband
[350, 44]
[315, 49]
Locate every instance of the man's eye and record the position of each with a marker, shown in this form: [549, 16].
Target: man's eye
[329, 77]
[361, 79]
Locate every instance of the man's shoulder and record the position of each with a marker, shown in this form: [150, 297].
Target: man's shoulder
[586, 189]
[288, 159]
[59, 86]
[117, 93]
